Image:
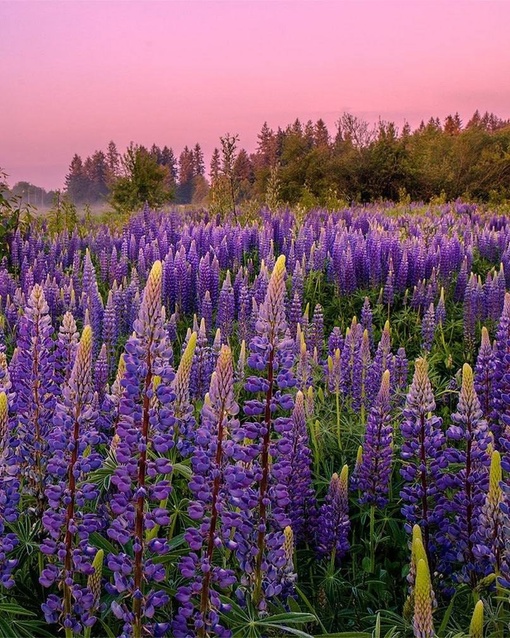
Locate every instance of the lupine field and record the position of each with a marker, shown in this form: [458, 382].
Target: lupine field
[289, 426]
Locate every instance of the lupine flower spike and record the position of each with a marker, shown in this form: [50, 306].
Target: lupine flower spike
[423, 625]
[476, 626]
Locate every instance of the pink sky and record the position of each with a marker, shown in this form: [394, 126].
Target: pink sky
[75, 75]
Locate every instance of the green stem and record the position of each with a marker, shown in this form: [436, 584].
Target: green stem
[372, 539]
[338, 428]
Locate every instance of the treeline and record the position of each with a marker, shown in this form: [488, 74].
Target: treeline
[306, 164]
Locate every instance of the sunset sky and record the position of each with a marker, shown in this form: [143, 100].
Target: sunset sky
[75, 75]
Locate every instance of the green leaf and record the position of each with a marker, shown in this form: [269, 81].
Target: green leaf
[293, 618]
[107, 631]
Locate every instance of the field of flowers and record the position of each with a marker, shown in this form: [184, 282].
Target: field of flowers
[286, 426]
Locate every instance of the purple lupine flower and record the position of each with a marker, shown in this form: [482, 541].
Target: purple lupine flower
[500, 413]
[240, 372]
[373, 474]
[260, 537]
[468, 484]
[183, 409]
[380, 363]
[317, 331]
[389, 286]
[489, 539]
[301, 508]
[68, 520]
[207, 311]
[295, 313]
[462, 281]
[243, 317]
[34, 386]
[504, 578]
[484, 372]
[441, 309]
[203, 364]
[336, 341]
[65, 350]
[352, 343]
[422, 455]
[9, 496]
[428, 328]
[226, 308]
[360, 376]
[213, 485]
[110, 329]
[303, 367]
[470, 311]
[366, 321]
[91, 299]
[145, 436]
[334, 525]
[101, 374]
[400, 371]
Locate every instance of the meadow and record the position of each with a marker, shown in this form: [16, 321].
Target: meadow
[287, 425]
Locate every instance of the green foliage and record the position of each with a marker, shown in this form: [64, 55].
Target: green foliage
[14, 214]
[144, 180]
[62, 215]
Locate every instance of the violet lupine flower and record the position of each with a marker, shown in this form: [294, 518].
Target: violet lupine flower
[260, 537]
[504, 578]
[484, 372]
[336, 341]
[489, 540]
[301, 510]
[101, 374]
[422, 456]
[428, 328]
[207, 312]
[65, 349]
[470, 311]
[333, 373]
[145, 436]
[333, 524]
[203, 364]
[399, 374]
[500, 413]
[5, 377]
[9, 496]
[303, 367]
[441, 309]
[381, 362]
[243, 317]
[366, 321]
[70, 517]
[349, 354]
[183, 408]
[389, 286]
[91, 299]
[468, 485]
[317, 331]
[240, 372]
[214, 485]
[295, 313]
[373, 474]
[360, 376]
[110, 328]
[35, 390]
[226, 308]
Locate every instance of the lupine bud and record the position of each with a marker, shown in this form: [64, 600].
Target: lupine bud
[476, 626]
[423, 625]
